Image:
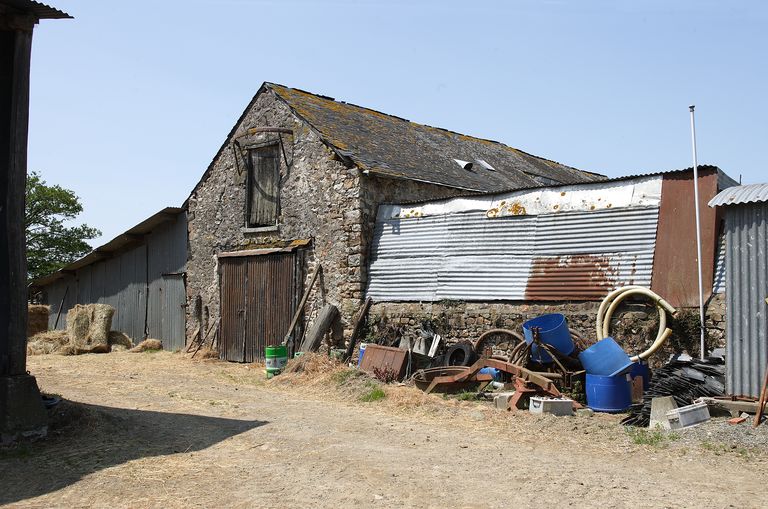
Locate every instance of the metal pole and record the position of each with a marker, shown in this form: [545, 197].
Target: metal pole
[698, 230]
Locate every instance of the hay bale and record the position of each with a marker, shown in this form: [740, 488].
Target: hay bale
[88, 327]
[147, 345]
[37, 320]
[78, 322]
[55, 341]
[119, 341]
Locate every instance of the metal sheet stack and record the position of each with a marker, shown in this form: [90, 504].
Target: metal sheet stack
[684, 380]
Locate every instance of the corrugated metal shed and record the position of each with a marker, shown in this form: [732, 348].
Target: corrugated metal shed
[465, 249]
[746, 288]
[140, 273]
[166, 259]
[752, 193]
[719, 282]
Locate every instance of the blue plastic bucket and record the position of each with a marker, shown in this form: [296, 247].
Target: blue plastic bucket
[361, 352]
[554, 332]
[641, 369]
[609, 393]
[493, 372]
[605, 358]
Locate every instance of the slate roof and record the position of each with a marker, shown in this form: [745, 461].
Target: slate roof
[395, 147]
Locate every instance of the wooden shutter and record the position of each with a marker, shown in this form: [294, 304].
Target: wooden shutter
[264, 187]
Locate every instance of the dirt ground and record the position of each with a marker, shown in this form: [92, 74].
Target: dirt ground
[160, 430]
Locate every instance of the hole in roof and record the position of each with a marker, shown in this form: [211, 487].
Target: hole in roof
[464, 164]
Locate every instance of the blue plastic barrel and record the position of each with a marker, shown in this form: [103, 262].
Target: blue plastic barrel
[495, 373]
[609, 393]
[554, 332]
[605, 358]
[360, 353]
[641, 369]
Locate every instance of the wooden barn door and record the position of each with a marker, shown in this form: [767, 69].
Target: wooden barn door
[259, 295]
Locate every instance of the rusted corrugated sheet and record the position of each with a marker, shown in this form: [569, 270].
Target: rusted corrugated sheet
[676, 274]
[258, 300]
[468, 256]
[583, 255]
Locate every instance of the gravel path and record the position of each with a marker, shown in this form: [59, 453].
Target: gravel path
[157, 430]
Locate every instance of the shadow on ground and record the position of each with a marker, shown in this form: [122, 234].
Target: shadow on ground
[87, 438]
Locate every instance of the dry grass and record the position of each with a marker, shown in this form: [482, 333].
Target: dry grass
[207, 353]
[329, 378]
[55, 341]
[148, 345]
[119, 341]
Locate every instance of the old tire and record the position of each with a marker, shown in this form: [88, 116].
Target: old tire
[460, 354]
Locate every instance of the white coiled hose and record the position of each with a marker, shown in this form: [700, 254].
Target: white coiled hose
[612, 301]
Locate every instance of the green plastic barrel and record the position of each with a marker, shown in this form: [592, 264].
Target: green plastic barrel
[276, 356]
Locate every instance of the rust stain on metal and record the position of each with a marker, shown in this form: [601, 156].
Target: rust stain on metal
[384, 357]
[674, 263]
[577, 277]
[516, 209]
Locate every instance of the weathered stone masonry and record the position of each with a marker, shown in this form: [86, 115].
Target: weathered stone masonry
[635, 324]
[321, 198]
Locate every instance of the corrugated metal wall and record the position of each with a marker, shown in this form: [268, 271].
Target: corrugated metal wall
[746, 289]
[155, 269]
[718, 286]
[166, 295]
[468, 256]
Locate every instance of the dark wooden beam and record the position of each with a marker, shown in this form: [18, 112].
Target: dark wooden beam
[14, 117]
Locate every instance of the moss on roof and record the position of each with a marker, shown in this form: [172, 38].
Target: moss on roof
[394, 146]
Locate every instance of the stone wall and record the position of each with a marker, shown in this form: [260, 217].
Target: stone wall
[321, 198]
[634, 325]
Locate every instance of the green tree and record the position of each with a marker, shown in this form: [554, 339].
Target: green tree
[51, 244]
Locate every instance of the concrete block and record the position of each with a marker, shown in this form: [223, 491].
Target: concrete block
[501, 400]
[659, 409]
[22, 414]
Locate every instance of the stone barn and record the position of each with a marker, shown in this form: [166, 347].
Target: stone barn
[296, 184]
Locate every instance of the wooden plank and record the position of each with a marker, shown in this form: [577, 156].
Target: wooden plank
[357, 328]
[737, 407]
[300, 307]
[320, 327]
[264, 192]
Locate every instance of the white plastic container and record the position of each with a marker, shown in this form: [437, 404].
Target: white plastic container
[689, 415]
[554, 406]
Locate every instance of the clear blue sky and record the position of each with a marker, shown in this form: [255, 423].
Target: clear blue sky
[131, 100]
